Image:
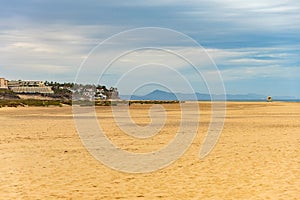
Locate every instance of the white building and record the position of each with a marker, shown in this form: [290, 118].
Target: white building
[29, 87]
[25, 84]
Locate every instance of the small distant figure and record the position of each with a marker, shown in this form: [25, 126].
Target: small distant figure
[269, 99]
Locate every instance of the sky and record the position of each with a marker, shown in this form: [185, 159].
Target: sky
[255, 45]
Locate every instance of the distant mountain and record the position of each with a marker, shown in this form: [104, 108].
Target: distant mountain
[163, 95]
[154, 95]
[167, 96]
[159, 95]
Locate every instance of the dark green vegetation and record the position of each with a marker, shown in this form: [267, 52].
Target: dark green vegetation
[45, 103]
[32, 102]
[93, 103]
[64, 90]
[153, 102]
[61, 90]
[7, 94]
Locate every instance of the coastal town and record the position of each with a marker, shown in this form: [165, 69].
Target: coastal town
[28, 89]
[14, 93]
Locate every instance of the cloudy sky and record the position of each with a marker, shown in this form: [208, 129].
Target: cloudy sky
[255, 44]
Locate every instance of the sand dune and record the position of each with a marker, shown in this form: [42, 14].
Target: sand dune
[257, 156]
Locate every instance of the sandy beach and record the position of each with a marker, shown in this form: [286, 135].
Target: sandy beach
[256, 157]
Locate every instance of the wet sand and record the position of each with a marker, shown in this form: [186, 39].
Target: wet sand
[256, 157]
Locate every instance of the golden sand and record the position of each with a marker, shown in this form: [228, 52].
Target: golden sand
[257, 156]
